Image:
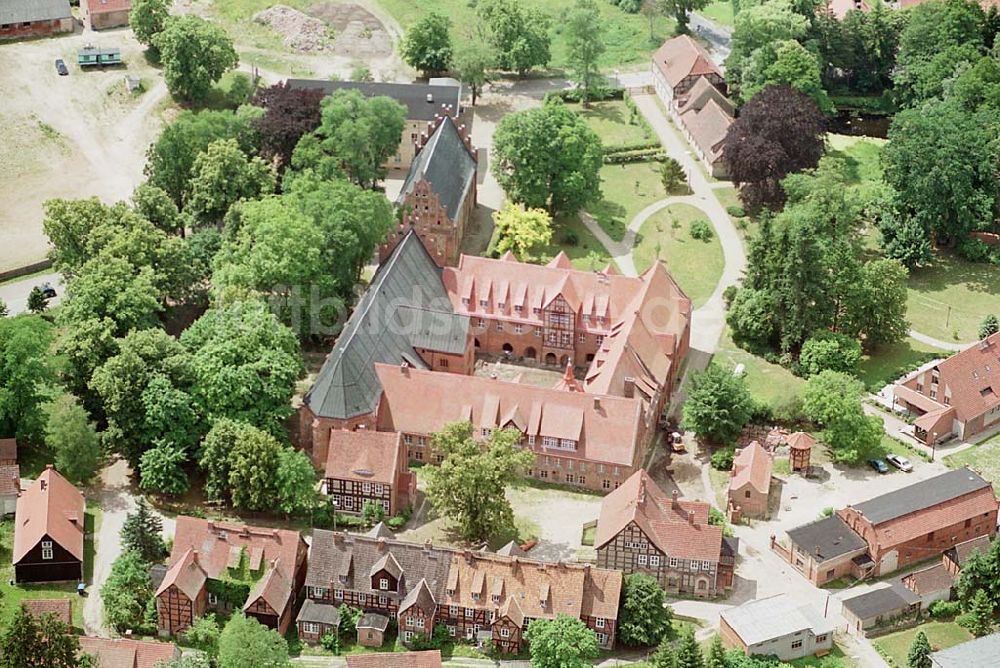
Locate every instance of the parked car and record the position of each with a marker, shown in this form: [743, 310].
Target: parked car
[878, 465]
[47, 290]
[900, 462]
[61, 67]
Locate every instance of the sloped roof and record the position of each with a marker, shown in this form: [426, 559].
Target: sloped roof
[929, 580]
[380, 530]
[273, 588]
[701, 93]
[20, 11]
[447, 163]
[681, 57]
[128, 653]
[511, 549]
[413, 96]
[752, 466]
[364, 455]
[107, 6]
[62, 608]
[826, 538]
[426, 659]
[801, 440]
[421, 597]
[52, 507]
[665, 521]
[961, 552]
[319, 613]
[977, 653]
[10, 479]
[708, 127]
[379, 330]
[373, 621]
[838, 8]
[186, 574]
[774, 617]
[876, 602]
[923, 495]
[970, 377]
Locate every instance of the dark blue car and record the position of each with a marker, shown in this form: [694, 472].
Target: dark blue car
[878, 465]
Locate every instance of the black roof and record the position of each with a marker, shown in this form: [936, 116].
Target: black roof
[413, 96]
[318, 613]
[831, 535]
[921, 495]
[877, 602]
[406, 306]
[446, 163]
[22, 11]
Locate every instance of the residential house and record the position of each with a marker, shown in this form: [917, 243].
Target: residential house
[423, 103]
[10, 488]
[8, 451]
[642, 530]
[469, 592]
[825, 550]
[678, 65]
[35, 18]
[924, 519]
[269, 564]
[103, 14]
[49, 530]
[128, 653]
[777, 625]
[750, 481]
[704, 117]
[977, 653]
[415, 333]
[439, 194]
[880, 606]
[368, 467]
[61, 608]
[316, 620]
[958, 396]
[427, 659]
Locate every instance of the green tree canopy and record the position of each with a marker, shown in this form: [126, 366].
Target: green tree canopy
[26, 374]
[833, 400]
[761, 24]
[919, 655]
[147, 19]
[155, 205]
[520, 230]
[563, 642]
[468, 487]
[246, 643]
[785, 63]
[644, 618]
[472, 61]
[39, 643]
[718, 404]
[547, 157]
[519, 35]
[222, 175]
[162, 469]
[142, 532]
[585, 44]
[72, 436]
[427, 44]
[127, 591]
[195, 53]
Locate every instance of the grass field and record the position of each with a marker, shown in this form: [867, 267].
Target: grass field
[626, 190]
[720, 11]
[890, 362]
[768, 382]
[613, 122]
[587, 253]
[695, 265]
[861, 154]
[626, 36]
[952, 296]
[984, 457]
[940, 634]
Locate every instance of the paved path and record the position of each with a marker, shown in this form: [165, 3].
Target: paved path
[718, 36]
[15, 293]
[944, 345]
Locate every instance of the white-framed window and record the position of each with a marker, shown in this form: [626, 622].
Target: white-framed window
[531, 439]
[694, 565]
[485, 432]
[518, 308]
[706, 565]
[310, 627]
[465, 301]
[549, 442]
[605, 484]
[583, 338]
[570, 478]
[362, 598]
[654, 560]
[366, 488]
[421, 441]
[47, 549]
[377, 488]
[453, 610]
[468, 612]
[452, 631]
[318, 592]
[499, 326]
[475, 596]
[483, 303]
[642, 559]
[383, 584]
[599, 338]
[538, 331]
[582, 480]
[602, 638]
[408, 439]
[519, 329]
[407, 636]
[382, 601]
[674, 562]
[567, 444]
[496, 598]
[505, 632]
[338, 594]
[413, 622]
[212, 599]
[600, 622]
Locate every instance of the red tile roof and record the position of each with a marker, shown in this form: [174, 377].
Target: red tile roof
[51, 507]
[127, 653]
[929, 580]
[419, 402]
[681, 57]
[678, 528]
[106, 6]
[10, 479]
[708, 127]
[426, 659]
[62, 608]
[752, 466]
[365, 455]
[186, 574]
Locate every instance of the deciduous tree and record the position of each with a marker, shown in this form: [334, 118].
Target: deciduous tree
[759, 25]
[25, 374]
[289, 113]
[520, 230]
[678, 10]
[644, 619]
[427, 44]
[222, 175]
[785, 63]
[147, 19]
[718, 404]
[472, 61]
[296, 481]
[833, 400]
[585, 44]
[563, 642]
[162, 469]
[548, 157]
[155, 205]
[127, 591]
[46, 642]
[468, 487]
[246, 643]
[829, 350]
[195, 54]
[72, 436]
[519, 35]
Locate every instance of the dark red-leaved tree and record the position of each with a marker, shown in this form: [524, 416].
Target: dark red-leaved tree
[779, 131]
[289, 114]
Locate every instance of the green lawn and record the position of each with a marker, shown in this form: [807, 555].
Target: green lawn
[587, 253]
[888, 363]
[615, 124]
[12, 595]
[769, 382]
[626, 190]
[984, 457]
[952, 296]
[835, 659]
[862, 155]
[695, 265]
[720, 11]
[940, 634]
[626, 36]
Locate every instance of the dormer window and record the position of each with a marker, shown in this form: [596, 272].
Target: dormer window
[501, 306]
[465, 301]
[383, 584]
[475, 596]
[451, 592]
[518, 308]
[483, 303]
[496, 598]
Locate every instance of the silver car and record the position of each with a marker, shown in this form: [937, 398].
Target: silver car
[900, 462]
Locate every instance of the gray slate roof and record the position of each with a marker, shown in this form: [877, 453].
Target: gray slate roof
[921, 495]
[446, 163]
[355, 556]
[411, 95]
[774, 617]
[319, 613]
[20, 11]
[885, 601]
[831, 535]
[979, 653]
[380, 530]
[373, 621]
[406, 306]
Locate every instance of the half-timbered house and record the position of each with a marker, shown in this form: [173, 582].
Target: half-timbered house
[48, 531]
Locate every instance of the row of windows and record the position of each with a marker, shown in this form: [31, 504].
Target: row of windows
[351, 503]
[674, 562]
[376, 488]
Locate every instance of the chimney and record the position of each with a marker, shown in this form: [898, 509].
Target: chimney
[50, 467]
[629, 387]
[381, 544]
[514, 562]
[468, 556]
[817, 550]
[493, 376]
[586, 569]
[244, 530]
[597, 403]
[674, 500]
[194, 556]
[338, 538]
[691, 518]
[428, 545]
[211, 525]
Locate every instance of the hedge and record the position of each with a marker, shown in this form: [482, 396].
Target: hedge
[573, 94]
[640, 155]
[626, 148]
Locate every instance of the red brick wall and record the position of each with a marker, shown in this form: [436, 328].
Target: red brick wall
[729, 637]
[36, 29]
[755, 506]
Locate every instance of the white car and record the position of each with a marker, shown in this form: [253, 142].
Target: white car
[900, 462]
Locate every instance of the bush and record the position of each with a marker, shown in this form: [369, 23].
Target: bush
[826, 350]
[944, 609]
[634, 155]
[241, 87]
[736, 211]
[789, 411]
[573, 94]
[722, 460]
[330, 642]
[729, 294]
[701, 230]
[439, 638]
[570, 238]
[974, 250]
[826, 512]
[627, 148]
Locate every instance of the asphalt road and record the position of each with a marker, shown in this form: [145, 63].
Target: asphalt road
[15, 293]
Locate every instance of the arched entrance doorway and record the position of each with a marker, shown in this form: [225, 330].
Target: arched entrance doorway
[530, 353]
[550, 358]
[564, 360]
